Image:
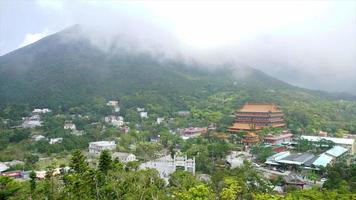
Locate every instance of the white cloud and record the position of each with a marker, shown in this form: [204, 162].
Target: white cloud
[51, 4]
[33, 37]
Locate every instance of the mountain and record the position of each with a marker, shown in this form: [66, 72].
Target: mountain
[67, 69]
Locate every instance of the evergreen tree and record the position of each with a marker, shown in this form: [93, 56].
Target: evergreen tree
[78, 163]
[105, 162]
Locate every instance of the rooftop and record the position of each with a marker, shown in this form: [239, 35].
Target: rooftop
[336, 151]
[322, 160]
[248, 107]
[297, 159]
[333, 139]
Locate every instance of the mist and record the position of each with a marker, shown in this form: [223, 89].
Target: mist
[309, 44]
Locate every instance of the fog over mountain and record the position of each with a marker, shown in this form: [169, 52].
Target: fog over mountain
[310, 44]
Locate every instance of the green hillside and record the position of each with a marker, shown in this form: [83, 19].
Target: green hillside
[65, 71]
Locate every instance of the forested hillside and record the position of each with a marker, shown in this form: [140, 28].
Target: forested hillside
[65, 71]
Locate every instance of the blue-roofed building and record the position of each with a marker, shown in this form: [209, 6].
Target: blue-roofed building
[336, 151]
[323, 160]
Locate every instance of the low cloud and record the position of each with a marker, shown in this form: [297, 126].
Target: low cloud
[33, 37]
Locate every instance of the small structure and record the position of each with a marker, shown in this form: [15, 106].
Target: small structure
[140, 109]
[159, 120]
[3, 167]
[69, 126]
[98, 147]
[114, 104]
[37, 138]
[124, 157]
[192, 132]
[274, 159]
[41, 111]
[117, 121]
[278, 139]
[295, 180]
[32, 122]
[183, 113]
[167, 165]
[323, 134]
[143, 115]
[322, 160]
[250, 139]
[343, 142]
[55, 140]
[155, 138]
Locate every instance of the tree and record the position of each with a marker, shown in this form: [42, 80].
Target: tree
[105, 162]
[182, 180]
[231, 190]
[199, 192]
[32, 181]
[78, 163]
[8, 187]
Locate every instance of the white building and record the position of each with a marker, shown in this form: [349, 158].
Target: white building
[117, 121]
[124, 157]
[41, 111]
[344, 142]
[112, 103]
[70, 126]
[32, 122]
[37, 138]
[143, 115]
[167, 165]
[97, 147]
[140, 109]
[159, 120]
[55, 140]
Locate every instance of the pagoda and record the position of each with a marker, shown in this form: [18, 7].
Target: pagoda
[255, 116]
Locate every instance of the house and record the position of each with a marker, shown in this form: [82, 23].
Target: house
[159, 120]
[278, 139]
[37, 138]
[70, 126]
[97, 147]
[336, 151]
[55, 140]
[155, 138]
[3, 167]
[41, 111]
[140, 109]
[112, 103]
[296, 159]
[166, 165]
[117, 121]
[124, 157]
[32, 122]
[143, 115]
[192, 132]
[273, 160]
[343, 142]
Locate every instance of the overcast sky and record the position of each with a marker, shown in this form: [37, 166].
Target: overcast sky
[307, 43]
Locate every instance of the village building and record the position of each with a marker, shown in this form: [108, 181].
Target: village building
[254, 117]
[114, 104]
[69, 126]
[140, 109]
[117, 121]
[55, 140]
[192, 132]
[343, 142]
[155, 138]
[3, 167]
[32, 122]
[98, 147]
[167, 165]
[124, 157]
[37, 138]
[143, 114]
[159, 120]
[41, 111]
[283, 138]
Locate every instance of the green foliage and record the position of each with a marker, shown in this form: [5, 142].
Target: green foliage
[105, 162]
[8, 187]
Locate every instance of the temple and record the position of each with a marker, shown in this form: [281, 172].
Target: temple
[254, 117]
